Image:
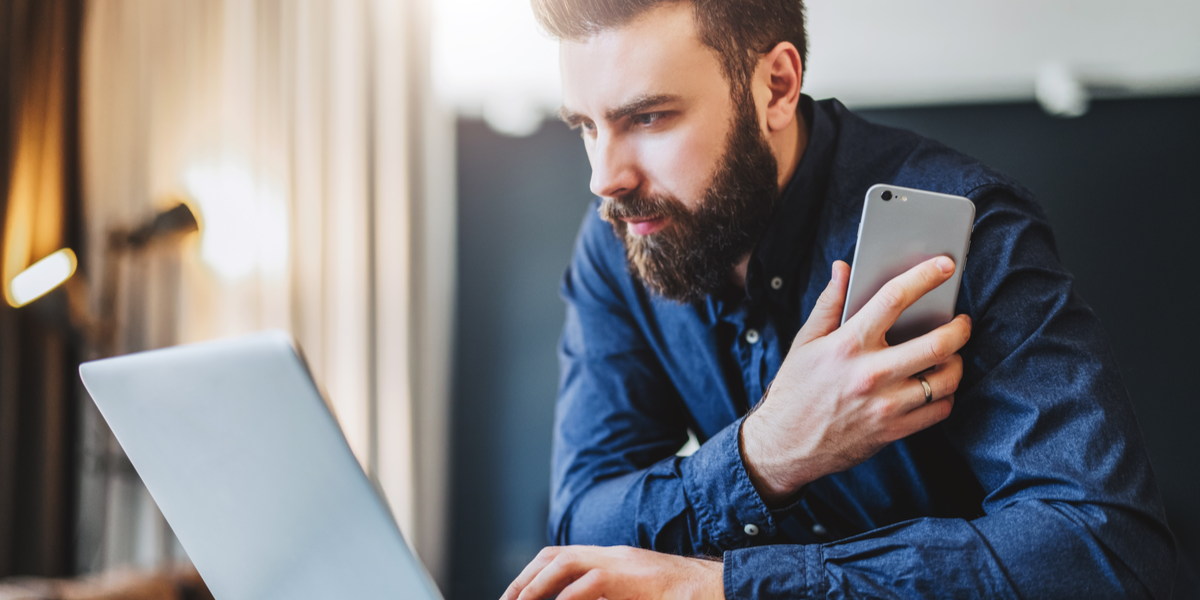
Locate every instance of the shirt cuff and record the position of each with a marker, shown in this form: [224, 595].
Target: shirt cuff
[730, 511]
[770, 572]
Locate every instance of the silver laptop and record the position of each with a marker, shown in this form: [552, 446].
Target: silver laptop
[250, 468]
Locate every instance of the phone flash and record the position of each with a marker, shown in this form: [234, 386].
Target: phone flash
[904, 198]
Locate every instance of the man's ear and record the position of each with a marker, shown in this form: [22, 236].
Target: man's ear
[779, 76]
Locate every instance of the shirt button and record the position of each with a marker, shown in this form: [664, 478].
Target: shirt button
[819, 529]
[751, 529]
[777, 283]
[752, 336]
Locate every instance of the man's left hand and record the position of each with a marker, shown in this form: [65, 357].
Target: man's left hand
[617, 573]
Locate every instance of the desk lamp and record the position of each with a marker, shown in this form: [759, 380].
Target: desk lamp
[55, 270]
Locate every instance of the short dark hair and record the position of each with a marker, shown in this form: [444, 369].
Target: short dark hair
[740, 31]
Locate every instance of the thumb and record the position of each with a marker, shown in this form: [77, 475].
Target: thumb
[826, 316]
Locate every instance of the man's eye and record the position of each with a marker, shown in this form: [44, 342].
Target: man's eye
[584, 128]
[647, 118]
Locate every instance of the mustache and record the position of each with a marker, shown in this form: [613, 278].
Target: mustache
[639, 206]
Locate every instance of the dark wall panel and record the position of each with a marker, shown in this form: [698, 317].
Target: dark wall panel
[520, 205]
[1116, 183]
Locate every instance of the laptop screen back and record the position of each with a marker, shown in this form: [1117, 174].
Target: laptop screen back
[248, 465]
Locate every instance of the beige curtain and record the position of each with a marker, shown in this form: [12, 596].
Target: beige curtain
[301, 131]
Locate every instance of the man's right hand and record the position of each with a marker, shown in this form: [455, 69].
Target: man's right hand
[842, 394]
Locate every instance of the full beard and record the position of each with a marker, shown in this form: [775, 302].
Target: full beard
[695, 254]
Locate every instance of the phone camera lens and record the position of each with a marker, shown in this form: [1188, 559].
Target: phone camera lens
[887, 195]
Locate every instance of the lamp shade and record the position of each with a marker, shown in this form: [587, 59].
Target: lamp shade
[41, 277]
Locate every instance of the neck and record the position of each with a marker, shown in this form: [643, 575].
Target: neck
[788, 145]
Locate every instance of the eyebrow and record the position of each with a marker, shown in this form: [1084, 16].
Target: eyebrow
[630, 108]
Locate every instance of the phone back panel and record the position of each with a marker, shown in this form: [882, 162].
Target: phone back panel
[898, 234]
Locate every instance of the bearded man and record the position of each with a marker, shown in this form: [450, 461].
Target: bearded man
[705, 293]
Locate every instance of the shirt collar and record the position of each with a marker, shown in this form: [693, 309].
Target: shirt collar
[789, 238]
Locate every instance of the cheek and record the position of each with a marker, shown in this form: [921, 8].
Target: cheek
[682, 163]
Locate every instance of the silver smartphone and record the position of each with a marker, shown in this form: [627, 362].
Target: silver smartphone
[901, 228]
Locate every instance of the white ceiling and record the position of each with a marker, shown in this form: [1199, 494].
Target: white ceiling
[936, 51]
[491, 60]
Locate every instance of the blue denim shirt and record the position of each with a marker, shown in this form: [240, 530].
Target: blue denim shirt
[1037, 486]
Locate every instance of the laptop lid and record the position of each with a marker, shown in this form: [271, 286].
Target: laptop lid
[248, 465]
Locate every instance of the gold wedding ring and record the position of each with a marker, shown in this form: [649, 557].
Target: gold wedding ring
[928, 390]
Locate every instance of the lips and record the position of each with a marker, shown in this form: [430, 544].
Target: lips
[645, 225]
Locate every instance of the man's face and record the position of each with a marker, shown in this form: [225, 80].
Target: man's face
[687, 179]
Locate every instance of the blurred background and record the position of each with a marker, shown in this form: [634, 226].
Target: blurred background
[384, 179]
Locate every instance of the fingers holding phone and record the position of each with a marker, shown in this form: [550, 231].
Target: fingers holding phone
[901, 228]
[842, 394]
[841, 397]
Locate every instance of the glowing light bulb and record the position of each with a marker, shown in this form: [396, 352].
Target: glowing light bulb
[244, 221]
[41, 277]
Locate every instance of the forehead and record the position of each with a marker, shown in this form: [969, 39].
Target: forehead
[659, 53]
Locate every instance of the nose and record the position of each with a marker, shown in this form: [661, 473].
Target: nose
[614, 167]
